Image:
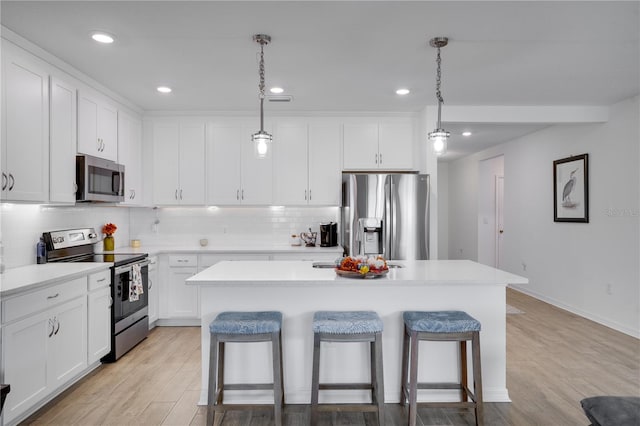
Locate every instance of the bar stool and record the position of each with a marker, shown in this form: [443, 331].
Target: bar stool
[244, 327]
[350, 326]
[441, 326]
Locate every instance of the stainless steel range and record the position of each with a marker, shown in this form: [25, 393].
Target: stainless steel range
[129, 312]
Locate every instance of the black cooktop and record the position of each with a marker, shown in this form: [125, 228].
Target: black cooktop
[117, 259]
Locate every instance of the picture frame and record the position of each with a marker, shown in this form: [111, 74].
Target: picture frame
[571, 189]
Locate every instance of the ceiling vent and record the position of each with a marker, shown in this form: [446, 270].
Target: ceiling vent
[279, 98]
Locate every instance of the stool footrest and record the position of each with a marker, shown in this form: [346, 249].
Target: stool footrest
[449, 404]
[439, 386]
[345, 386]
[248, 386]
[348, 407]
[224, 407]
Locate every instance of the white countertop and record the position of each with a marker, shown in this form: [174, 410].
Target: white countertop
[414, 272]
[31, 277]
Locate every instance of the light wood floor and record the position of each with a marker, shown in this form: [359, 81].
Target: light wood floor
[554, 359]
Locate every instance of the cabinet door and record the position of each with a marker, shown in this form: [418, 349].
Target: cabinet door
[396, 146]
[191, 164]
[25, 345]
[88, 139]
[223, 164]
[166, 137]
[325, 177]
[99, 314]
[62, 158]
[257, 173]
[25, 136]
[360, 150]
[68, 346]
[108, 131]
[291, 169]
[183, 300]
[153, 291]
[130, 154]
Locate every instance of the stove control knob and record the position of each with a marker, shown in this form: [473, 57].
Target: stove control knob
[92, 235]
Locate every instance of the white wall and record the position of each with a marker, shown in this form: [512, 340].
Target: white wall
[568, 264]
[443, 210]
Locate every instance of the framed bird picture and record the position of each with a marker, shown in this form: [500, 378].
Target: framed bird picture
[571, 189]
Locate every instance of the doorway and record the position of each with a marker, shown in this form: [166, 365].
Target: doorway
[490, 210]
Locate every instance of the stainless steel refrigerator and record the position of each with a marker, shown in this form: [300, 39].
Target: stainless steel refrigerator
[386, 214]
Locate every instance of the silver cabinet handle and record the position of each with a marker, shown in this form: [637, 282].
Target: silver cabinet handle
[101, 280]
[176, 195]
[58, 326]
[181, 194]
[305, 195]
[134, 194]
[5, 181]
[376, 158]
[54, 296]
[98, 144]
[150, 283]
[243, 194]
[13, 181]
[52, 327]
[380, 158]
[309, 195]
[110, 302]
[237, 194]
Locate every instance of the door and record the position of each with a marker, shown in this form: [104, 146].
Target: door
[291, 169]
[360, 147]
[192, 177]
[223, 164]
[165, 163]
[324, 165]
[88, 138]
[108, 131]
[499, 219]
[99, 312]
[406, 232]
[68, 354]
[395, 142]
[183, 298]
[130, 155]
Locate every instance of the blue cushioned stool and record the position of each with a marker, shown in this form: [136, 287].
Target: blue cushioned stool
[441, 326]
[243, 327]
[356, 326]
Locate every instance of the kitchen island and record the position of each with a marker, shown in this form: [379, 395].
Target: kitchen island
[298, 290]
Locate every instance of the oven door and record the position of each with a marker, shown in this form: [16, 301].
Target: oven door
[125, 302]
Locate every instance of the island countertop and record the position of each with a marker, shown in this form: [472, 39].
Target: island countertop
[410, 272]
[297, 290]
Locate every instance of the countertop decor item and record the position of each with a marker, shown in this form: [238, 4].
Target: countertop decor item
[571, 189]
[109, 243]
[362, 266]
[309, 238]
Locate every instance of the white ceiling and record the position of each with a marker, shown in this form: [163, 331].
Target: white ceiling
[347, 56]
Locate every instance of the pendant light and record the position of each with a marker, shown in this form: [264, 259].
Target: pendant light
[439, 136]
[261, 139]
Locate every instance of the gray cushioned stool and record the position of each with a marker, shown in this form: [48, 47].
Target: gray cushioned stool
[441, 326]
[350, 326]
[243, 327]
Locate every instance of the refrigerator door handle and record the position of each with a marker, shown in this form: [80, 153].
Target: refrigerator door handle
[387, 220]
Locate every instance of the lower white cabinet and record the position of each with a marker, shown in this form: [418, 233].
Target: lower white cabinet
[179, 301]
[99, 314]
[42, 352]
[153, 291]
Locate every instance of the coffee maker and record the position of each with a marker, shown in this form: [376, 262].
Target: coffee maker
[328, 234]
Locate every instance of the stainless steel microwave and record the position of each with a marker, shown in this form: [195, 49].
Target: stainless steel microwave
[99, 180]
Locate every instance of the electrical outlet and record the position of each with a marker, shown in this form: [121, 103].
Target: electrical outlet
[609, 289]
[524, 266]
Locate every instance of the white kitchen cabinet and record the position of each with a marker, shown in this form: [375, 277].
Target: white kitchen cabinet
[45, 349]
[153, 291]
[99, 314]
[25, 127]
[179, 163]
[370, 146]
[234, 174]
[307, 165]
[130, 154]
[97, 126]
[62, 142]
[183, 300]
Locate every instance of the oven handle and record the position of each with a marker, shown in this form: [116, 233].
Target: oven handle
[127, 268]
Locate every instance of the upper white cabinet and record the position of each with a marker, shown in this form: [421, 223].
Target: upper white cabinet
[130, 154]
[234, 174]
[307, 164]
[62, 143]
[383, 145]
[178, 163]
[97, 126]
[25, 127]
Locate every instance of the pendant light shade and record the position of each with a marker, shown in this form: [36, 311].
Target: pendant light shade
[439, 136]
[261, 139]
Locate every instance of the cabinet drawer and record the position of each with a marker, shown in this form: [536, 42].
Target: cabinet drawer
[100, 279]
[184, 260]
[27, 304]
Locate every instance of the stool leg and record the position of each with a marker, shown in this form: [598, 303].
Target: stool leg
[413, 379]
[477, 378]
[379, 379]
[315, 379]
[211, 394]
[220, 389]
[463, 371]
[277, 378]
[405, 366]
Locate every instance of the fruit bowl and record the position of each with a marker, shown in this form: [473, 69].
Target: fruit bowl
[362, 267]
[355, 274]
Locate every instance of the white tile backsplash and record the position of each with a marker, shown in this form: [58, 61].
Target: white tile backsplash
[23, 224]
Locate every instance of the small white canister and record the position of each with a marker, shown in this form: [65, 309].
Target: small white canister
[294, 240]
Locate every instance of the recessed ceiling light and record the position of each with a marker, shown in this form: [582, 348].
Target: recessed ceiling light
[102, 37]
[466, 133]
[164, 89]
[402, 92]
[276, 90]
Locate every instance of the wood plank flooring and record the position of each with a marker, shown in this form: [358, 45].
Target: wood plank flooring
[554, 359]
